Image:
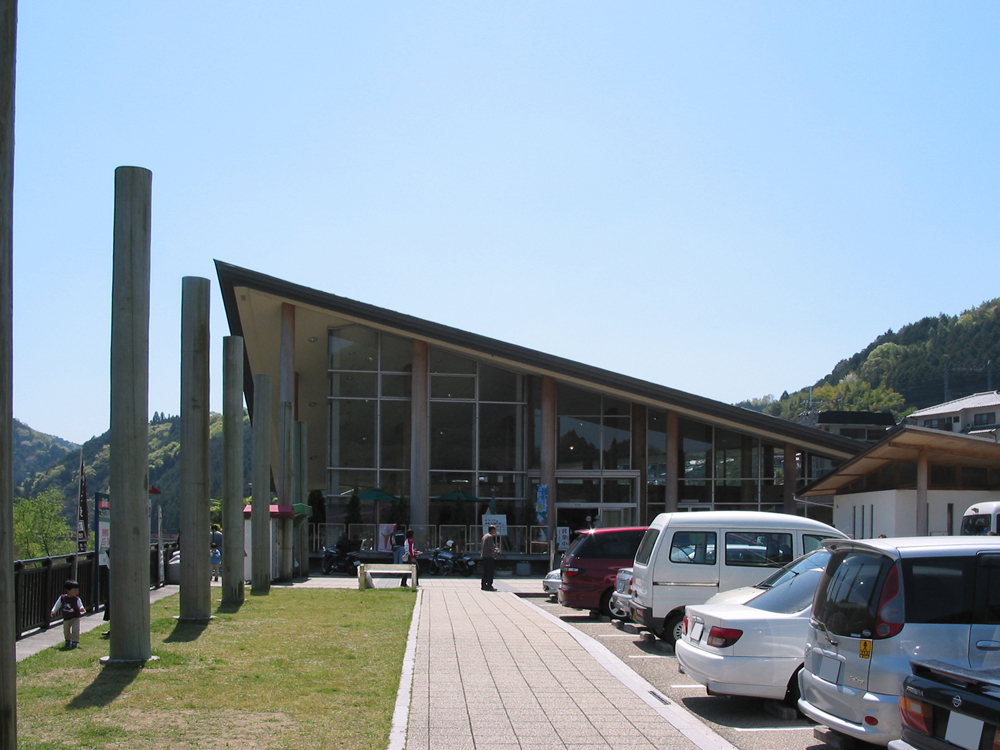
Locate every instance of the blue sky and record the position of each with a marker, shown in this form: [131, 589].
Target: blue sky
[722, 198]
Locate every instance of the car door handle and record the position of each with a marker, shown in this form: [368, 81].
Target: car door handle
[988, 645]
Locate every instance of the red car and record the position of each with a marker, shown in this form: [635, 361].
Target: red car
[591, 564]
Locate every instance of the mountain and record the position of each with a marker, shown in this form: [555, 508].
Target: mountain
[35, 451]
[924, 363]
[164, 466]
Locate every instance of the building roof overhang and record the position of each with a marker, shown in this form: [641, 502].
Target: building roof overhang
[904, 445]
[253, 303]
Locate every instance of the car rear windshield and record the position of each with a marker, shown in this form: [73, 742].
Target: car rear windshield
[791, 596]
[814, 560]
[646, 546]
[611, 545]
[849, 590]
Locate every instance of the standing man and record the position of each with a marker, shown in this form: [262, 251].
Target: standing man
[398, 542]
[489, 552]
[216, 536]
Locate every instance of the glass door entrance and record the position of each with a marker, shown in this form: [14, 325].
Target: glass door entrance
[578, 516]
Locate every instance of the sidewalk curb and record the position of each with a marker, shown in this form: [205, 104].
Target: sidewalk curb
[680, 718]
[401, 713]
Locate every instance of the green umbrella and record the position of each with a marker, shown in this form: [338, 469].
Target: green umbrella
[377, 494]
[459, 495]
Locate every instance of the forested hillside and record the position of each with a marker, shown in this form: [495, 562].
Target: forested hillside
[922, 364]
[164, 466]
[35, 451]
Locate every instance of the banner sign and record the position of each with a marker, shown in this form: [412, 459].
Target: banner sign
[499, 520]
[103, 503]
[562, 538]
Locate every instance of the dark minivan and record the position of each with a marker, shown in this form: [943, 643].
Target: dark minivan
[591, 564]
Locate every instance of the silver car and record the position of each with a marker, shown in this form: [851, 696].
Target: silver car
[550, 584]
[883, 603]
[621, 597]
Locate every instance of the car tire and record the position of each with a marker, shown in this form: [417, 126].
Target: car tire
[605, 606]
[617, 612]
[792, 694]
[673, 629]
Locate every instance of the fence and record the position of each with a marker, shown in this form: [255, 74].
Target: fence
[519, 540]
[39, 582]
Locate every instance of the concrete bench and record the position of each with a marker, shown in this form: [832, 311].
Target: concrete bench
[368, 573]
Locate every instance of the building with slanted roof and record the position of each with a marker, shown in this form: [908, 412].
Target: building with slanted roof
[975, 414]
[435, 415]
[915, 481]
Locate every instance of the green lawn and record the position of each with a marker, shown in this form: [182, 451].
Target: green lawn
[299, 668]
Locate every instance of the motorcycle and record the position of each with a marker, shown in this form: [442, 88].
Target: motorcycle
[446, 561]
[340, 561]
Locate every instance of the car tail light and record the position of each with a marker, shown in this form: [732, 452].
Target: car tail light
[569, 572]
[631, 580]
[871, 721]
[889, 620]
[685, 624]
[919, 716]
[996, 740]
[723, 637]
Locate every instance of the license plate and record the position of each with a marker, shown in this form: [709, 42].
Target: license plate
[696, 631]
[964, 731]
[829, 669]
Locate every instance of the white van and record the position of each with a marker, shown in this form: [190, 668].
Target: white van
[981, 519]
[676, 563]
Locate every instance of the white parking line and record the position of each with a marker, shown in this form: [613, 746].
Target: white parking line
[645, 656]
[617, 635]
[770, 729]
[687, 686]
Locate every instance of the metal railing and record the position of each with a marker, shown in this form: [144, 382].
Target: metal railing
[39, 582]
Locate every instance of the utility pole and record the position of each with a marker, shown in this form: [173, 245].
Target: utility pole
[8, 647]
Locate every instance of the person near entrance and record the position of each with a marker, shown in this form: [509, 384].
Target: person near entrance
[489, 554]
[398, 541]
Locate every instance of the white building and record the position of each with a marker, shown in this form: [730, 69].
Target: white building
[975, 414]
[915, 482]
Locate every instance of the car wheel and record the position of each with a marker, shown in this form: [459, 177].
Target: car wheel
[605, 606]
[617, 611]
[673, 629]
[792, 694]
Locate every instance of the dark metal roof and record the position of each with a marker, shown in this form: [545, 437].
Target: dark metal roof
[231, 277]
[877, 418]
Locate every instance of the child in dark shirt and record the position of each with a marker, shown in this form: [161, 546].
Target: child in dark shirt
[70, 605]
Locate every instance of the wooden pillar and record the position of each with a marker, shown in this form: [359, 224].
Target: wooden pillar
[547, 458]
[129, 443]
[303, 496]
[286, 439]
[420, 452]
[791, 478]
[671, 472]
[260, 511]
[923, 470]
[640, 462]
[8, 637]
[196, 595]
[232, 471]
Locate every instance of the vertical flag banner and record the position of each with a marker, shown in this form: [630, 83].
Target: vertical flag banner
[83, 518]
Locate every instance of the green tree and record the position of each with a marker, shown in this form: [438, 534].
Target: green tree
[39, 527]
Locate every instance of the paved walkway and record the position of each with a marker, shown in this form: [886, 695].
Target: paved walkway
[491, 671]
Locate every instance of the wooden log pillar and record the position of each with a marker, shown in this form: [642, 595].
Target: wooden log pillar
[286, 438]
[420, 454]
[547, 460]
[302, 496]
[260, 510]
[129, 440]
[671, 472]
[196, 595]
[232, 471]
[923, 471]
[8, 628]
[791, 469]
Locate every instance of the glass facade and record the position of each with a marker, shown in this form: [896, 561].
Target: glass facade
[484, 432]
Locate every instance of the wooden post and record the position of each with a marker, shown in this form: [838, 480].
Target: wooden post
[129, 449]
[791, 469]
[232, 470]
[303, 497]
[196, 595]
[8, 635]
[923, 470]
[420, 453]
[260, 513]
[547, 459]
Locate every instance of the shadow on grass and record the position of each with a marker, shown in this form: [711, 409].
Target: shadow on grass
[186, 631]
[110, 683]
[229, 608]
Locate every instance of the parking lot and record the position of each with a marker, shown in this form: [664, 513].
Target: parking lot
[748, 723]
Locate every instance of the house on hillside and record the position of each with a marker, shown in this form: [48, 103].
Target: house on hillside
[916, 481]
[975, 414]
